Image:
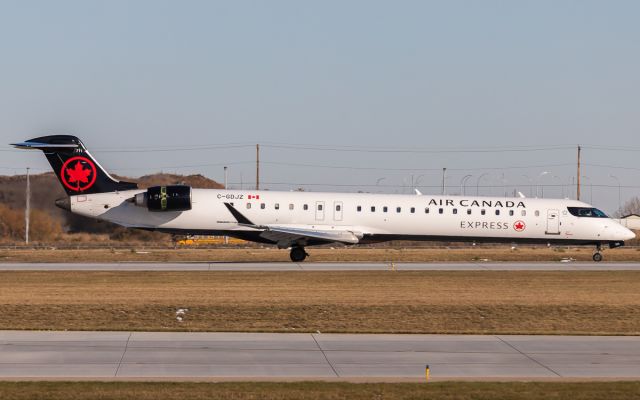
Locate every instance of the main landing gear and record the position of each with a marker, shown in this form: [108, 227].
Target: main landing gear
[597, 256]
[298, 254]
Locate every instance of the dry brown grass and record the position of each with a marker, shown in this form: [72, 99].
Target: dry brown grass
[319, 390]
[488, 302]
[317, 254]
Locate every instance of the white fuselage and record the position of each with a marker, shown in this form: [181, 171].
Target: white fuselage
[372, 217]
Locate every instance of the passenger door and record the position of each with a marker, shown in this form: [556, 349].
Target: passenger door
[553, 222]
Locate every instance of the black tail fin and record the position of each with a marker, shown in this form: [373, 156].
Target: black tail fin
[77, 170]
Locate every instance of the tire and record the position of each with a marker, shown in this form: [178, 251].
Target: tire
[298, 254]
[597, 257]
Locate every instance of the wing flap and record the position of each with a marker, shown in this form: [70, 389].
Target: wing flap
[281, 234]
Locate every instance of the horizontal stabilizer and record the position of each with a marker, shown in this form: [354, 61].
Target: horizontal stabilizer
[43, 146]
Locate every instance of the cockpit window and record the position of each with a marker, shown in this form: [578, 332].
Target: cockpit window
[587, 212]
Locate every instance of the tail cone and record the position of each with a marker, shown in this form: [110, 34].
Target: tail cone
[64, 203]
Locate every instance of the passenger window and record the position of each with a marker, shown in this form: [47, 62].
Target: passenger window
[455, 210]
[384, 209]
[305, 206]
[262, 206]
[290, 206]
[277, 206]
[468, 211]
[248, 206]
[398, 209]
[359, 208]
[440, 211]
[524, 213]
[537, 213]
[497, 212]
[482, 212]
[413, 210]
[426, 210]
[511, 213]
[337, 207]
[319, 207]
[373, 209]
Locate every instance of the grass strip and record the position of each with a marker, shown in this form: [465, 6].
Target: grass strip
[319, 390]
[482, 302]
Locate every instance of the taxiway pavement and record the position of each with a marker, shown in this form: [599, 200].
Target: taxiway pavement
[329, 266]
[220, 356]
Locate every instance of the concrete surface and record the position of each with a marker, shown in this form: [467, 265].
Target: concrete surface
[152, 355]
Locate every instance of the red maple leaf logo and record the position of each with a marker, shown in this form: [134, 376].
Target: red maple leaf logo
[78, 173]
[519, 226]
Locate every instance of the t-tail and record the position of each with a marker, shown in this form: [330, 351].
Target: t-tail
[75, 167]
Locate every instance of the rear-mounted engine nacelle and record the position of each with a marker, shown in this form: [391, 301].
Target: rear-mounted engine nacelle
[165, 198]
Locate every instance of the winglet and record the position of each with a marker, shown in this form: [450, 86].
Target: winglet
[238, 216]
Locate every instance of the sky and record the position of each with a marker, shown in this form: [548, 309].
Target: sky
[341, 95]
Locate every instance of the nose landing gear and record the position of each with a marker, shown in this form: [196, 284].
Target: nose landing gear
[298, 254]
[597, 256]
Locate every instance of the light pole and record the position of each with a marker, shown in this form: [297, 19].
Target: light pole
[444, 171]
[541, 186]
[617, 180]
[27, 209]
[463, 184]
[478, 182]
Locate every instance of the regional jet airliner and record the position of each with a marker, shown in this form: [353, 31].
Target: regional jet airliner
[295, 220]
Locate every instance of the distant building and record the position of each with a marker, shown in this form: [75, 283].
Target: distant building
[631, 221]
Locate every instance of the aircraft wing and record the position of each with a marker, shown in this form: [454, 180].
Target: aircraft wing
[286, 236]
[281, 234]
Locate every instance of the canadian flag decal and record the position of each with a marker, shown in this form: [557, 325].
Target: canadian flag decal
[253, 197]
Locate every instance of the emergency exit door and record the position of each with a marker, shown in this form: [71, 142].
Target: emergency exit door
[553, 222]
[337, 211]
[319, 210]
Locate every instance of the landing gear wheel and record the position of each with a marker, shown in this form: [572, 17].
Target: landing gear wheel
[298, 254]
[597, 257]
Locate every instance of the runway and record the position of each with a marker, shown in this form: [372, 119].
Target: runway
[330, 266]
[220, 356]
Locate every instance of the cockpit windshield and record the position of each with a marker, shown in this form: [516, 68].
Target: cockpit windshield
[587, 212]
